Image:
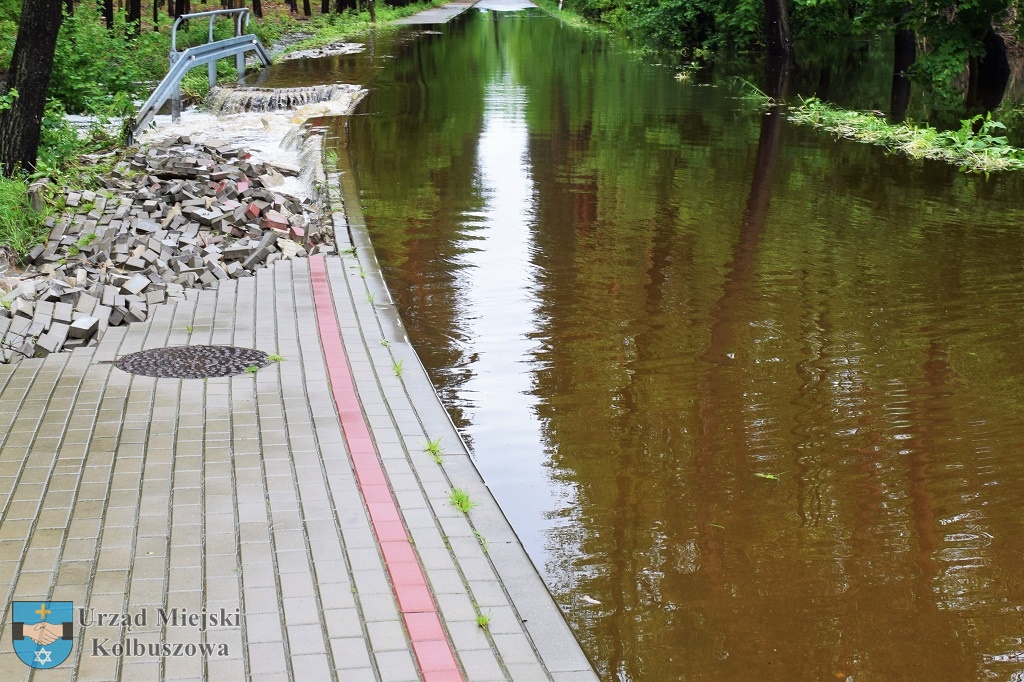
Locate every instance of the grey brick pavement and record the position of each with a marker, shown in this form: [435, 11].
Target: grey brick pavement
[128, 494]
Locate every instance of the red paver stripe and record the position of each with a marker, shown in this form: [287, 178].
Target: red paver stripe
[434, 653]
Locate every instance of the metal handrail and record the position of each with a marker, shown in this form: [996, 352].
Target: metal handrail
[186, 60]
[242, 12]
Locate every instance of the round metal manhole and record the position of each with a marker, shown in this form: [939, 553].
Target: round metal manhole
[192, 362]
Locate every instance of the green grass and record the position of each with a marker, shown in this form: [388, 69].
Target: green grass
[332, 28]
[981, 151]
[483, 619]
[189, 329]
[567, 16]
[483, 541]
[86, 240]
[21, 228]
[397, 367]
[252, 369]
[751, 93]
[434, 449]
[275, 358]
[370, 297]
[460, 500]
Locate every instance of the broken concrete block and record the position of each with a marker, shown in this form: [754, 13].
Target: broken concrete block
[84, 327]
[62, 313]
[22, 307]
[136, 285]
[53, 340]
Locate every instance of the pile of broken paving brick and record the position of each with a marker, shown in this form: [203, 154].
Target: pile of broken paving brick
[171, 217]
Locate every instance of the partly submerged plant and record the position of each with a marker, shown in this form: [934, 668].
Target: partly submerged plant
[977, 147]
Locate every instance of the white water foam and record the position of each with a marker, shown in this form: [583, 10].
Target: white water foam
[269, 136]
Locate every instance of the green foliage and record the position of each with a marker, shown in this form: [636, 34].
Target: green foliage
[7, 99]
[977, 146]
[460, 500]
[91, 64]
[59, 142]
[8, 34]
[434, 449]
[20, 227]
[685, 25]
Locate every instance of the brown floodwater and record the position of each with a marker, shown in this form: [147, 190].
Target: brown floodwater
[752, 398]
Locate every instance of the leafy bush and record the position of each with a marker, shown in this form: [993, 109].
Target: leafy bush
[91, 64]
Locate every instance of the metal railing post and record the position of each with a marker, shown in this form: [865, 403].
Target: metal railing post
[176, 103]
[240, 57]
[211, 68]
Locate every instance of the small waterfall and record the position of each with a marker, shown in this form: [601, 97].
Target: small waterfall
[258, 100]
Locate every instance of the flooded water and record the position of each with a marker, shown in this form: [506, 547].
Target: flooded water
[758, 393]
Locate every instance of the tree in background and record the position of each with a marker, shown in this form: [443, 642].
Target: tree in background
[134, 14]
[29, 77]
[776, 24]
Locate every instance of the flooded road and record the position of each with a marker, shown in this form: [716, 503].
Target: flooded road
[757, 393]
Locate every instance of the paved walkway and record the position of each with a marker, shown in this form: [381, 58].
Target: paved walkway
[436, 15]
[298, 502]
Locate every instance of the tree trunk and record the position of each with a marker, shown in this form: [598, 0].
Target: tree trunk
[905, 56]
[31, 66]
[257, 8]
[134, 8]
[180, 8]
[305, 8]
[776, 19]
[108, 14]
[325, 7]
[70, 6]
[989, 74]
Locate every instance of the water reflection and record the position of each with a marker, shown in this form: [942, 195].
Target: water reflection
[757, 392]
[497, 313]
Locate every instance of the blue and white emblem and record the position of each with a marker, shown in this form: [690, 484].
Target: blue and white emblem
[43, 632]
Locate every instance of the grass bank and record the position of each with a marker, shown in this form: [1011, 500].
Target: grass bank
[977, 147]
[568, 16]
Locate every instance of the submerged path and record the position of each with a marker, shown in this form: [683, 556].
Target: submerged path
[298, 499]
[436, 15]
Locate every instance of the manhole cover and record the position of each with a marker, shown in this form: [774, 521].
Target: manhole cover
[192, 362]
